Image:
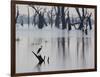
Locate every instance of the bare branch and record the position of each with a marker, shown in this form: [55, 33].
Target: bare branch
[78, 12]
[34, 9]
[55, 9]
[66, 10]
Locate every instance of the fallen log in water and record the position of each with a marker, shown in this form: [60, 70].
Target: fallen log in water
[39, 57]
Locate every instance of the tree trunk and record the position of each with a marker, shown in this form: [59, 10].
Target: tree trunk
[57, 20]
[17, 14]
[69, 23]
[81, 18]
[63, 18]
[28, 18]
[51, 19]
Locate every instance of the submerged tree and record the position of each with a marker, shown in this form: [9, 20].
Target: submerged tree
[17, 14]
[68, 21]
[57, 20]
[63, 18]
[34, 21]
[41, 22]
[59, 16]
[50, 17]
[22, 21]
[41, 19]
[81, 18]
[89, 21]
[28, 18]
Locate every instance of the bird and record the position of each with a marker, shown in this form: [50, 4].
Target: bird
[39, 49]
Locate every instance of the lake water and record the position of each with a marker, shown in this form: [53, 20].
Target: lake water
[66, 50]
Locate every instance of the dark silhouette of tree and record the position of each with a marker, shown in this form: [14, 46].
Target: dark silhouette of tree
[28, 18]
[50, 17]
[41, 19]
[81, 18]
[63, 18]
[51, 20]
[34, 19]
[22, 21]
[89, 20]
[57, 20]
[68, 21]
[17, 14]
[73, 22]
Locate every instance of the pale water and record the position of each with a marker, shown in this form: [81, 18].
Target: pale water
[66, 50]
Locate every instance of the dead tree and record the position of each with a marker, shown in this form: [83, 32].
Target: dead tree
[89, 21]
[28, 18]
[57, 20]
[17, 14]
[22, 21]
[81, 18]
[34, 21]
[73, 22]
[63, 18]
[50, 17]
[41, 19]
[68, 21]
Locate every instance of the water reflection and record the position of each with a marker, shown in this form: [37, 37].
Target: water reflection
[38, 67]
[70, 51]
